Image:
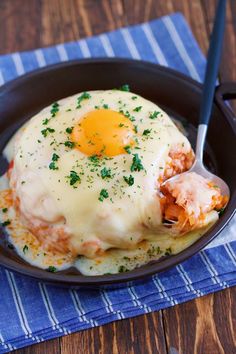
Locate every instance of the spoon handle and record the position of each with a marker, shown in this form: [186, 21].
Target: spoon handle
[213, 61]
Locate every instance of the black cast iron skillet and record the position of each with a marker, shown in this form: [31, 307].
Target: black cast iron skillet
[177, 94]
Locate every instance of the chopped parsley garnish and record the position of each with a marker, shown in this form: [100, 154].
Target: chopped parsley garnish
[128, 149]
[6, 223]
[103, 195]
[127, 115]
[4, 210]
[134, 97]
[131, 118]
[55, 109]
[105, 173]
[55, 157]
[69, 130]
[69, 144]
[221, 211]
[122, 269]
[125, 88]
[84, 96]
[136, 164]
[154, 115]
[129, 180]
[154, 251]
[105, 106]
[168, 252]
[94, 158]
[74, 178]
[53, 166]
[137, 109]
[146, 132]
[52, 269]
[45, 121]
[25, 249]
[135, 128]
[121, 125]
[46, 131]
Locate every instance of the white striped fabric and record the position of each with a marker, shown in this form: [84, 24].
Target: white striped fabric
[109, 307]
[107, 45]
[84, 49]
[230, 252]
[50, 310]
[40, 58]
[212, 270]
[62, 52]
[1, 78]
[187, 281]
[154, 44]
[136, 300]
[18, 63]
[162, 290]
[6, 345]
[181, 48]
[19, 307]
[80, 309]
[130, 43]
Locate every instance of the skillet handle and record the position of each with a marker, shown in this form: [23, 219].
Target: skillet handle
[224, 92]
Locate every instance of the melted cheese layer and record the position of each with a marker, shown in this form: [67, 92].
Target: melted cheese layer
[46, 198]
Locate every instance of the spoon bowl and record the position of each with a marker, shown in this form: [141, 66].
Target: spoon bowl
[199, 168]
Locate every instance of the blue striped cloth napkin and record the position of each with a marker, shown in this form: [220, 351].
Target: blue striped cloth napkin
[31, 311]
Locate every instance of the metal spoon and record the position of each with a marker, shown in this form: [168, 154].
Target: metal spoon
[213, 60]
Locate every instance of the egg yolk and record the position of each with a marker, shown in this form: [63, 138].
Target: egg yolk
[103, 132]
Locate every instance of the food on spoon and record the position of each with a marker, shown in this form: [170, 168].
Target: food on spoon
[188, 199]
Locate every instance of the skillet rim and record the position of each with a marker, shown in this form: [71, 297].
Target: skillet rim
[143, 271]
